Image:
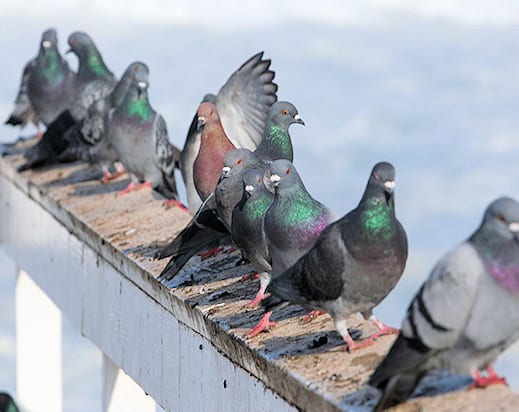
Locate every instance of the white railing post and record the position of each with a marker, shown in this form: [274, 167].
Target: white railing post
[121, 393]
[38, 348]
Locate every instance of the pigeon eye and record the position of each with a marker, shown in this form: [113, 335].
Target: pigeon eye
[239, 162]
[259, 180]
[501, 217]
[284, 112]
[288, 171]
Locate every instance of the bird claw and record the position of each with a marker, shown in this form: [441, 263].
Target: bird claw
[211, 253]
[108, 177]
[492, 378]
[264, 324]
[312, 315]
[173, 202]
[248, 276]
[132, 187]
[386, 330]
[257, 300]
[353, 346]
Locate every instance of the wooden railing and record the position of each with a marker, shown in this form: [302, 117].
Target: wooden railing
[87, 255]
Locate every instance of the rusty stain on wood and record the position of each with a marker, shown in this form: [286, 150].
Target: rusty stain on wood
[304, 363]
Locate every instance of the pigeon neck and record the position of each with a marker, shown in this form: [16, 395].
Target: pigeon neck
[276, 143]
[500, 258]
[137, 104]
[296, 204]
[214, 138]
[257, 204]
[377, 214]
[91, 64]
[50, 62]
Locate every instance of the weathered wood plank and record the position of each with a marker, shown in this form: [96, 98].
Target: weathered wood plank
[153, 331]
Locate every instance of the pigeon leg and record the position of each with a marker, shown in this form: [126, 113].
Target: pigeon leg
[262, 325]
[248, 276]
[132, 187]
[107, 176]
[211, 252]
[342, 328]
[259, 297]
[383, 329]
[312, 315]
[39, 132]
[492, 378]
[173, 202]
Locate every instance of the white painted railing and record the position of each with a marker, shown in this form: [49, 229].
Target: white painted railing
[86, 255]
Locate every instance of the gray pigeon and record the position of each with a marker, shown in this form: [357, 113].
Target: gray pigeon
[276, 142]
[291, 225]
[51, 82]
[228, 191]
[460, 320]
[242, 105]
[140, 137]
[247, 225]
[92, 82]
[210, 226]
[88, 140]
[355, 262]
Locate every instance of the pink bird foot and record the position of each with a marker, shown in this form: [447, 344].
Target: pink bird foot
[108, 177]
[492, 378]
[259, 297]
[312, 315]
[383, 329]
[211, 253]
[248, 276]
[353, 346]
[172, 202]
[132, 187]
[264, 324]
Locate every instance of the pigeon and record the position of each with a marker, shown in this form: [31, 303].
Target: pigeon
[276, 142]
[247, 224]
[242, 105]
[291, 225]
[23, 112]
[210, 226]
[88, 140]
[460, 318]
[51, 81]
[140, 137]
[92, 82]
[214, 144]
[228, 191]
[354, 263]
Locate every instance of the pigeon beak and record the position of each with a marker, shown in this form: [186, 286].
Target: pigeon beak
[390, 185]
[514, 227]
[225, 171]
[274, 180]
[200, 123]
[142, 85]
[46, 44]
[249, 189]
[298, 119]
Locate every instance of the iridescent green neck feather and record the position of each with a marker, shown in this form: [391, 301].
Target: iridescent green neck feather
[377, 217]
[301, 208]
[95, 63]
[257, 206]
[139, 108]
[277, 144]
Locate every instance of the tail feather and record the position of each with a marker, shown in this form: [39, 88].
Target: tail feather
[400, 372]
[14, 121]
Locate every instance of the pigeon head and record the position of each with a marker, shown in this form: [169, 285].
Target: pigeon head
[236, 160]
[123, 85]
[141, 80]
[284, 114]
[502, 218]
[252, 180]
[383, 177]
[283, 174]
[134, 68]
[49, 40]
[79, 42]
[206, 113]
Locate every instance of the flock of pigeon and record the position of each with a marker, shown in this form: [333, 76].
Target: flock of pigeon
[243, 190]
